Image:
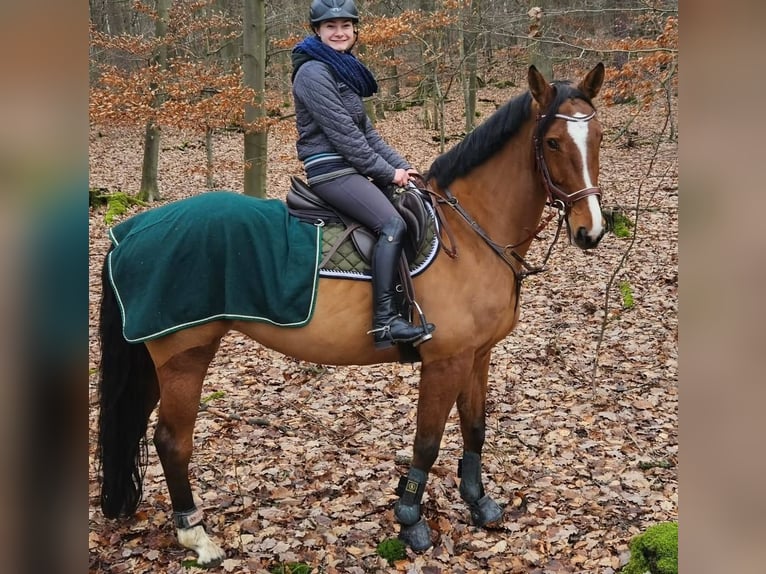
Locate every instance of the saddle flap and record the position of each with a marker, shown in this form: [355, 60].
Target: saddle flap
[409, 204]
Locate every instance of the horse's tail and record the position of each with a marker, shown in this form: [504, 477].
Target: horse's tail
[127, 380]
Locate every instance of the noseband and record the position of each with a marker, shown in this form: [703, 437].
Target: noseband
[557, 197]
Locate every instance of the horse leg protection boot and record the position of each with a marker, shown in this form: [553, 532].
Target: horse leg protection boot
[410, 491]
[483, 509]
[415, 531]
[388, 326]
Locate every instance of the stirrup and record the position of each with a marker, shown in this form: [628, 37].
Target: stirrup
[384, 339]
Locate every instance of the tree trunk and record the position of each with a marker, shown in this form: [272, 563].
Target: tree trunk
[427, 89]
[470, 60]
[254, 68]
[150, 190]
[539, 49]
[209, 158]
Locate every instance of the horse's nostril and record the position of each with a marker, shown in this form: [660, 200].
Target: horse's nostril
[584, 240]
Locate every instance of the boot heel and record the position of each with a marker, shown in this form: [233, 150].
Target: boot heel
[384, 344]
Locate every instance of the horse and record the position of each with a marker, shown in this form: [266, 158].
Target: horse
[539, 148]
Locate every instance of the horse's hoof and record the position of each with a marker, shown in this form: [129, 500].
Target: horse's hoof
[417, 536]
[209, 554]
[485, 511]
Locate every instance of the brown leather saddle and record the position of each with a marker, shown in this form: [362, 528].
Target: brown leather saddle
[304, 204]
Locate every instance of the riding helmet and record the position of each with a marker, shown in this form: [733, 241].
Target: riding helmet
[322, 10]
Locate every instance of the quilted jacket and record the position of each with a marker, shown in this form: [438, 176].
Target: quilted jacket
[331, 119]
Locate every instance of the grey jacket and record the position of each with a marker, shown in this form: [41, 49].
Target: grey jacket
[331, 118]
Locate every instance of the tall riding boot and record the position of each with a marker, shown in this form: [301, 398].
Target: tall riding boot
[388, 326]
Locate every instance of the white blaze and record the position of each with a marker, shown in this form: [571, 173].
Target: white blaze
[578, 131]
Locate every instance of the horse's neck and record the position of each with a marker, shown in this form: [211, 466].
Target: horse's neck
[504, 194]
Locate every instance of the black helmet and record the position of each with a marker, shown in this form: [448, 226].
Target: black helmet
[322, 10]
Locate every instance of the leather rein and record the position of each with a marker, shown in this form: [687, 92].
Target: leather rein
[558, 199]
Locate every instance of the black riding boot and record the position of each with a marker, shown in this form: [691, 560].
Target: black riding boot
[388, 326]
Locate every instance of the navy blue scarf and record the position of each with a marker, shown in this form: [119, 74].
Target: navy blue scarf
[344, 64]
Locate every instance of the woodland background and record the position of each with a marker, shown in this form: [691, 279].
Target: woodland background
[297, 462]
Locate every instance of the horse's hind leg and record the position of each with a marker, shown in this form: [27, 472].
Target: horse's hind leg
[440, 383]
[180, 389]
[471, 404]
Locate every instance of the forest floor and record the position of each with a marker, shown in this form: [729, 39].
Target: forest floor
[298, 462]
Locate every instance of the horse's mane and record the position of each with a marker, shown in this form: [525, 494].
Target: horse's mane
[490, 136]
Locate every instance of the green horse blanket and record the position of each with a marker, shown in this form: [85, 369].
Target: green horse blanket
[218, 255]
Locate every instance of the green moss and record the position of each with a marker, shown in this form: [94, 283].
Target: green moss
[291, 568]
[617, 222]
[392, 549]
[213, 396]
[655, 551]
[117, 204]
[627, 295]
[622, 225]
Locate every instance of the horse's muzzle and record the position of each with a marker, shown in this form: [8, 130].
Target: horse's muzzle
[584, 240]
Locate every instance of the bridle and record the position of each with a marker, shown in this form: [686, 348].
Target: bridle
[557, 197]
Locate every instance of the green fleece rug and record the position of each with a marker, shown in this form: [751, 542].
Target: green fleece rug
[218, 255]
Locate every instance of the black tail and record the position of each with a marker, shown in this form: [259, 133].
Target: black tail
[126, 383]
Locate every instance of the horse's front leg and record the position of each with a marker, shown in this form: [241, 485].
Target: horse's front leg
[471, 404]
[180, 381]
[440, 384]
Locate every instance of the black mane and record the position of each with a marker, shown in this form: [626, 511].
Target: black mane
[490, 136]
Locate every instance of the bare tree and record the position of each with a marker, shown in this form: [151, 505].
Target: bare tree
[149, 186]
[254, 68]
[471, 12]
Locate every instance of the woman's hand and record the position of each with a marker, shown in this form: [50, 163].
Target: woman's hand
[401, 177]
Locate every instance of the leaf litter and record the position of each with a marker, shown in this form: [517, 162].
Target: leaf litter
[297, 462]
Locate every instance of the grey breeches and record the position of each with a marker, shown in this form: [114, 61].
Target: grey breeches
[357, 197]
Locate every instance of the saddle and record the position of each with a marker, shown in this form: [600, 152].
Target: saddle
[304, 204]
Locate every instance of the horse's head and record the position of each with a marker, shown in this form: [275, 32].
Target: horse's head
[567, 140]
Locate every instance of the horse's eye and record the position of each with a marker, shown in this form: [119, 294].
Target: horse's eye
[552, 144]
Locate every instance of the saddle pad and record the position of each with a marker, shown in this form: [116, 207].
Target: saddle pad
[347, 263]
[218, 255]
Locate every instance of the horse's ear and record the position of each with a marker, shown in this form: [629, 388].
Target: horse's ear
[591, 84]
[540, 89]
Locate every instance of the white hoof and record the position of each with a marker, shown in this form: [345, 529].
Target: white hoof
[209, 554]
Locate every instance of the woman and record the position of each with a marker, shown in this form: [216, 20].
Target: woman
[346, 160]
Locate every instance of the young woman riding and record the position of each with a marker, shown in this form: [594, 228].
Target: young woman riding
[347, 162]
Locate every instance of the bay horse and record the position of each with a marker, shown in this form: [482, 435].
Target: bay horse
[540, 147]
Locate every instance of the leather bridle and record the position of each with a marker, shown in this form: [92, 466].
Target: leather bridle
[557, 197]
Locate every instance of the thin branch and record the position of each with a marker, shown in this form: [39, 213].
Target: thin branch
[636, 214]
